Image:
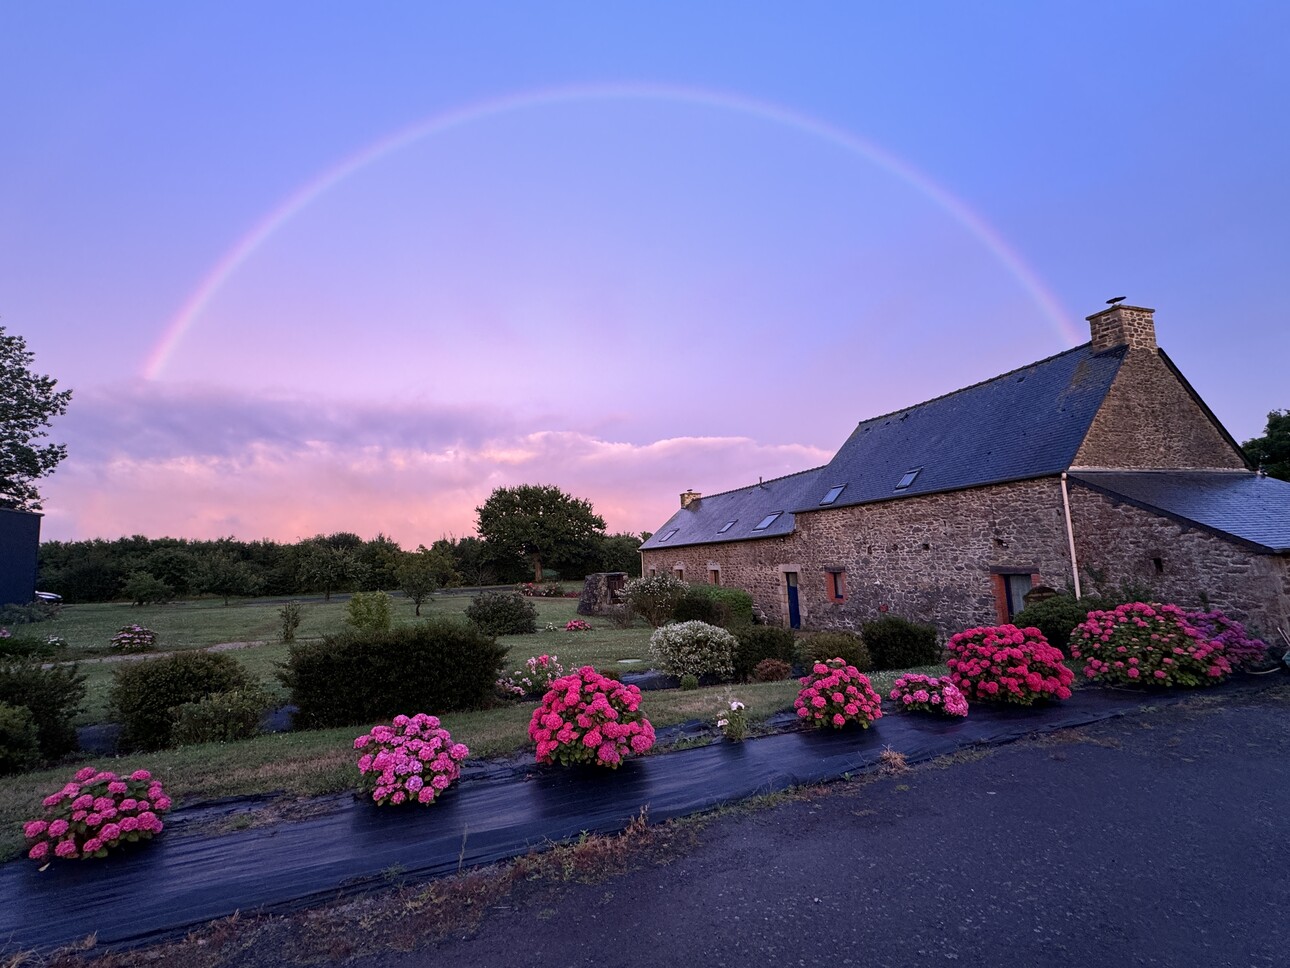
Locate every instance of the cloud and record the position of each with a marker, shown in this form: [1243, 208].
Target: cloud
[199, 465]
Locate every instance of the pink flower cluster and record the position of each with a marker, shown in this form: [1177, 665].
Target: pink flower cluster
[134, 638]
[542, 671]
[928, 694]
[412, 760]
[1147, 644]
[95, 812]
[1003, 663]
[1240, 648]
[578, 625]
[589, 718]
[835, 694]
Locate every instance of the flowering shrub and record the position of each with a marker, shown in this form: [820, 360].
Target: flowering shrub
[654, 597]
[1240, 648]
[550, 589]
[771, 670]
[928, 694]
[542, 671]
[1148, 645]
[694, 649]
[835, 694]
[412, 760]
[94, 813]
[1003, 663]
[733, 723]
[589, 718]
[134, 638]
[578, 625]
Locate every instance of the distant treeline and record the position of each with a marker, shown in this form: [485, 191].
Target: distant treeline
[140, 569]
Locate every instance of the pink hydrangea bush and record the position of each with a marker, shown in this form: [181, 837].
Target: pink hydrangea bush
[589, 718]
[134, 638]
[1002, 663]
[96, 812]
[1242, 649]
[535, 679]
[916, 692]
[411, 760]
[834, 694]
[1148, 644]
[577, 625]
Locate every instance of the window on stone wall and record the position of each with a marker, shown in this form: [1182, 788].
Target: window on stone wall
[714, 576]
[653, 572]
[1010, 587]
[835, 584]
[679, 572]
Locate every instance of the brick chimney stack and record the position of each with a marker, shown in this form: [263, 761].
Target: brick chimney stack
[1122, 325]
[689, 497]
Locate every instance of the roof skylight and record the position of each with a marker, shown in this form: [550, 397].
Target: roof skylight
[833, 493]
[669, 534]
[908, 478]
[767, 521]
[726, 527]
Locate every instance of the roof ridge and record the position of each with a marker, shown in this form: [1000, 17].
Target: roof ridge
[782, 477]
[972, 386]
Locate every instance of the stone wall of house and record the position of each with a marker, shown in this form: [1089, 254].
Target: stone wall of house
[933, 558]
[1149, 420]
[1119, 544]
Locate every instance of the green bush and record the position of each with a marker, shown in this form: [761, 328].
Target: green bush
[436, 666]
[1057, 617]
[851, 648]
[144, 695]
[222, 717]
[19, 744]
[37, 611]
[694, 648]
[897, 643]
[654, 599]
[36, 647]
[289, 617]
[502, 613]
[53, 697]
[368, 611]
[716, 605]
[772, 670]
[759, 642]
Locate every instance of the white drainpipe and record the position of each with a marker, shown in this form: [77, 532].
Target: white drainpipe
[1070, 535]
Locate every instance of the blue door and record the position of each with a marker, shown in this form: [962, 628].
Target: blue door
[794, 613]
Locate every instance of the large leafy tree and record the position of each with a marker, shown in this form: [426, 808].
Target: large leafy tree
[27, 403]
[1272, 450]
[542, 524]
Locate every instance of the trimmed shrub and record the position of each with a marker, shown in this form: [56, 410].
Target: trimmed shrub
[368, 611]
[835, 694]
[716, 605]
[918, 693]
[694, 649]
[1148, 645]
[37, 611]
[654, 599]
[144, 695]
[502, 613]
[26, 646]
[52, 696]
[1057, 617]
[19, 743]
[586, 718]
[848, 646]
[1006, 664]
[355, 678]
[689, 683]
[772, 670]
[897, 643]
[760, 642]
[222, 717]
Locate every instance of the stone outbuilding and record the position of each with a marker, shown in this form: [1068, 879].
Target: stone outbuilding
[1099, 466]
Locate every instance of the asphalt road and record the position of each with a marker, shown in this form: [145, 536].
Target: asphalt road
[1156, 839]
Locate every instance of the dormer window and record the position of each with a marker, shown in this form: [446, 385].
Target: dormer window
[908, 478]
[834, 493]
[767, 521]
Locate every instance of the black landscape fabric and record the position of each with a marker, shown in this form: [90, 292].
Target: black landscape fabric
[184, 878]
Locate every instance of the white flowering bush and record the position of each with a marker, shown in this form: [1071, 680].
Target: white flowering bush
[654, 597]
[694, 649]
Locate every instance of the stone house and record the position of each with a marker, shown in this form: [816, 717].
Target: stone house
[1099, 465]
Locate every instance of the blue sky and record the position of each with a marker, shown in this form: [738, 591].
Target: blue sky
[311, 267]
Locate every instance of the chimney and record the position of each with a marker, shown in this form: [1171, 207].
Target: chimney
[1122, 325]
[689, 497]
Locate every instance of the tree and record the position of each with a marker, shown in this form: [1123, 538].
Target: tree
[223, 574]
[1272, 450]
[322, 565]
[417, 573]
[542, 524]
[27, 403]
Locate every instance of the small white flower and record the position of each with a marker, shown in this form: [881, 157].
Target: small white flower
[736, 705]
[722, 723]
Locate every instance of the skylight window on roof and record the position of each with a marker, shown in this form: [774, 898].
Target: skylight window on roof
[833, 494]
[726, 527]
[908, 478]
[669, 534]
[767, 521]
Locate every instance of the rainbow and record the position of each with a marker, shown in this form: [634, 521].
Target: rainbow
[320, 184]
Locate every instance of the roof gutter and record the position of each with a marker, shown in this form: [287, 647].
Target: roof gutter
[1070, 535]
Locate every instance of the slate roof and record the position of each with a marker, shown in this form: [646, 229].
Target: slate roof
[1027, 423]
[746, 507]
[1234, 504]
